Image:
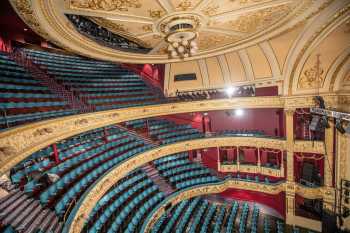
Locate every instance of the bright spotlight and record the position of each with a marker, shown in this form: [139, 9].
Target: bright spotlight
[230, 91]
[239, 112]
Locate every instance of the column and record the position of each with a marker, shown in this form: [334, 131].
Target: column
[329, 194]
[290, 143]
[238, 163]
[328, 166]
[282, 164]
[290, 186]
[55, 153]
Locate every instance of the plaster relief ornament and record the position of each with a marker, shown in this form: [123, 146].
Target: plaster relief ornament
[107, 5]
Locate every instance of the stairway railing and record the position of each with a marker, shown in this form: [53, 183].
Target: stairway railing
[40, 73]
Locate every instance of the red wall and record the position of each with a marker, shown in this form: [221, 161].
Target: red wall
[276, 202]
[261, 119]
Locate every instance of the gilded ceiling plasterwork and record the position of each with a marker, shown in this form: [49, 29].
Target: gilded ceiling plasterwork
[312, 77]
[107, 5]
[215, 7]
[242, 20]
[260, 19]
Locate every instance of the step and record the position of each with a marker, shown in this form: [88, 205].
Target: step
[27, 212]
[12, 206]
[10, 199]
[35, 225]
[47, 221]
[30, 218]
[13, 214]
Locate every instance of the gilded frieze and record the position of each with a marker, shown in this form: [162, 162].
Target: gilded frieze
[106, 5]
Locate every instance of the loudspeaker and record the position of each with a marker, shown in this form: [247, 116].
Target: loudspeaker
[314, 125]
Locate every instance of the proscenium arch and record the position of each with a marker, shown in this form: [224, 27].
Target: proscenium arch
[82, 210]
[22, 141]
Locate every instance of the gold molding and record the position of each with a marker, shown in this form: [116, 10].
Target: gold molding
[25, 140]
[20, 142]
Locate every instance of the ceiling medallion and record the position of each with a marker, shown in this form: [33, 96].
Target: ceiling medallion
[181, 33]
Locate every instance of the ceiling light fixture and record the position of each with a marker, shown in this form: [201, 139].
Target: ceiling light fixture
[181, 37]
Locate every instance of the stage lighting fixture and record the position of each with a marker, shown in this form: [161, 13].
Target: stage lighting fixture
[339, 126]
[314, 123]
[239, 112]
[324, 122]
[230, 91]
[347, 129]
[320, 101]
[318, 123]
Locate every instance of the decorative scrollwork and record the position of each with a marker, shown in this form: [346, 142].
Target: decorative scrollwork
[107, 5]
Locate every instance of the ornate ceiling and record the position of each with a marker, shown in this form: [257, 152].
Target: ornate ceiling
[223, 26]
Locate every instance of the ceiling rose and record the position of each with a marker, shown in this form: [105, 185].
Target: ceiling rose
[160, 31]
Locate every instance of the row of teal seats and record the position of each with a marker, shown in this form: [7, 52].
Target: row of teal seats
[167, 129]
[6, 95]
[243, 218]
[26, 77]
[177, 133]
[199, 215]
[112, 94]
[197, 181]
[220, 219]
[207, 220]
[103, 82]
[118, 106]
[194, 203]
[182, 169]
[194, 135]
[132, 179]
[160, 125]
[230, 225]
[111, 88]
[120, 99]
[119, 202]
[66, 165]
[23, 87]
[11, 69]
[64, 147]
[175, 163]
[186, 175]
[109, 84]
[102, 79]
[178, 156]
[175, 214]
[70, 58]
[80, 186]
[96, 161]
[31, 104]
[132, 205]
[146, 208]
[255, 219]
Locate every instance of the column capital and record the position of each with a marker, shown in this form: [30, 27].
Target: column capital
[289, 111]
